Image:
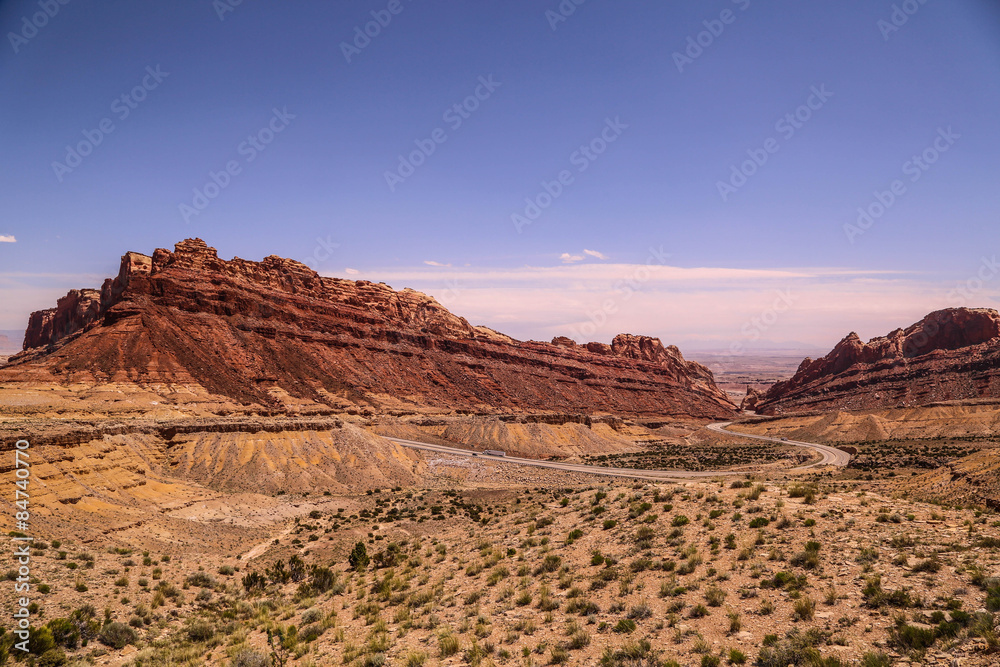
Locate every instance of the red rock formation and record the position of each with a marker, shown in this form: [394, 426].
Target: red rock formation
[243, 329]
[950, 354]
[751, 400]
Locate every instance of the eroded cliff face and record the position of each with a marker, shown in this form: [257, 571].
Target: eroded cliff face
[950, 354]
[261, 332]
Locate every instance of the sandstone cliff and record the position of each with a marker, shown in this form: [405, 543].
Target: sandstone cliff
[950, 354]
[275, 333]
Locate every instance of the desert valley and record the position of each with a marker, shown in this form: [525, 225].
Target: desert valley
[223, 471]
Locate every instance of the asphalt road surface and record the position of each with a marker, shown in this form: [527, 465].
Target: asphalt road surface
[827, 456]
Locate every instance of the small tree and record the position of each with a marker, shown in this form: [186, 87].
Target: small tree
[359, 557]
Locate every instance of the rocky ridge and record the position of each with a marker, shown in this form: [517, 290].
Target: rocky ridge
[951, 354]
[275, 333]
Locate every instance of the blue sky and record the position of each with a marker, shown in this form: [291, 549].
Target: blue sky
[641, 137]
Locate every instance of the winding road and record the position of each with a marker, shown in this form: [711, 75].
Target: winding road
[828, 456]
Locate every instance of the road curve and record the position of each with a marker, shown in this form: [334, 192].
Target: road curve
[828, 456]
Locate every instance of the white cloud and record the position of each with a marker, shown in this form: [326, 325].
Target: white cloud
[704, 307]
[8, 239]
[351, 272]
[594, 253]
[430, 262]
[569, 259]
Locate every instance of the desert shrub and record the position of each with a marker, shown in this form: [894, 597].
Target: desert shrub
[709, 660]
[416, 659]
[578, 639]
[715, 596]
[200, 631]
[247, 657]
[117, 635]
[805, 491]
[875, 659]
[52, 658]
[322, 579]
[698, 611]
[311, 632]
[550, 564]
[311, 616]
[640, 611]
[631, 653]
[805, 608]
[448, 644]
[254, 582]
[558, 655]
[201, 579]
[928, 565]
[785, 580]
[358, 559]
[581, 606]
[624, 626]
[867, 555]
[679, 520]
[911, 638]
[64, 632]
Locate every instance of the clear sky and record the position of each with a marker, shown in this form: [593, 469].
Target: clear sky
[697, 167]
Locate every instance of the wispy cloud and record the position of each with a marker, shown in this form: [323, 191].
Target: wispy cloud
[431, 262]
[570, 259]
[691, 306]
[351, 272]
[594, 253]
[8, 239]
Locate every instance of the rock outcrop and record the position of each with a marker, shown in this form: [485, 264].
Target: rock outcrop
[274, 332]
[950, 354]
[751, 400]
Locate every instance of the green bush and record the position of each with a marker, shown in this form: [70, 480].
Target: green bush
[64, 632]
[117, 635]
[911, 638]
[624, 625]
[359, 559]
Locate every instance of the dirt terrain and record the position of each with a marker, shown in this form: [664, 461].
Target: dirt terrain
[477, 569]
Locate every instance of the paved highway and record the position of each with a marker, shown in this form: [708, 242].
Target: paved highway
[828, 456]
